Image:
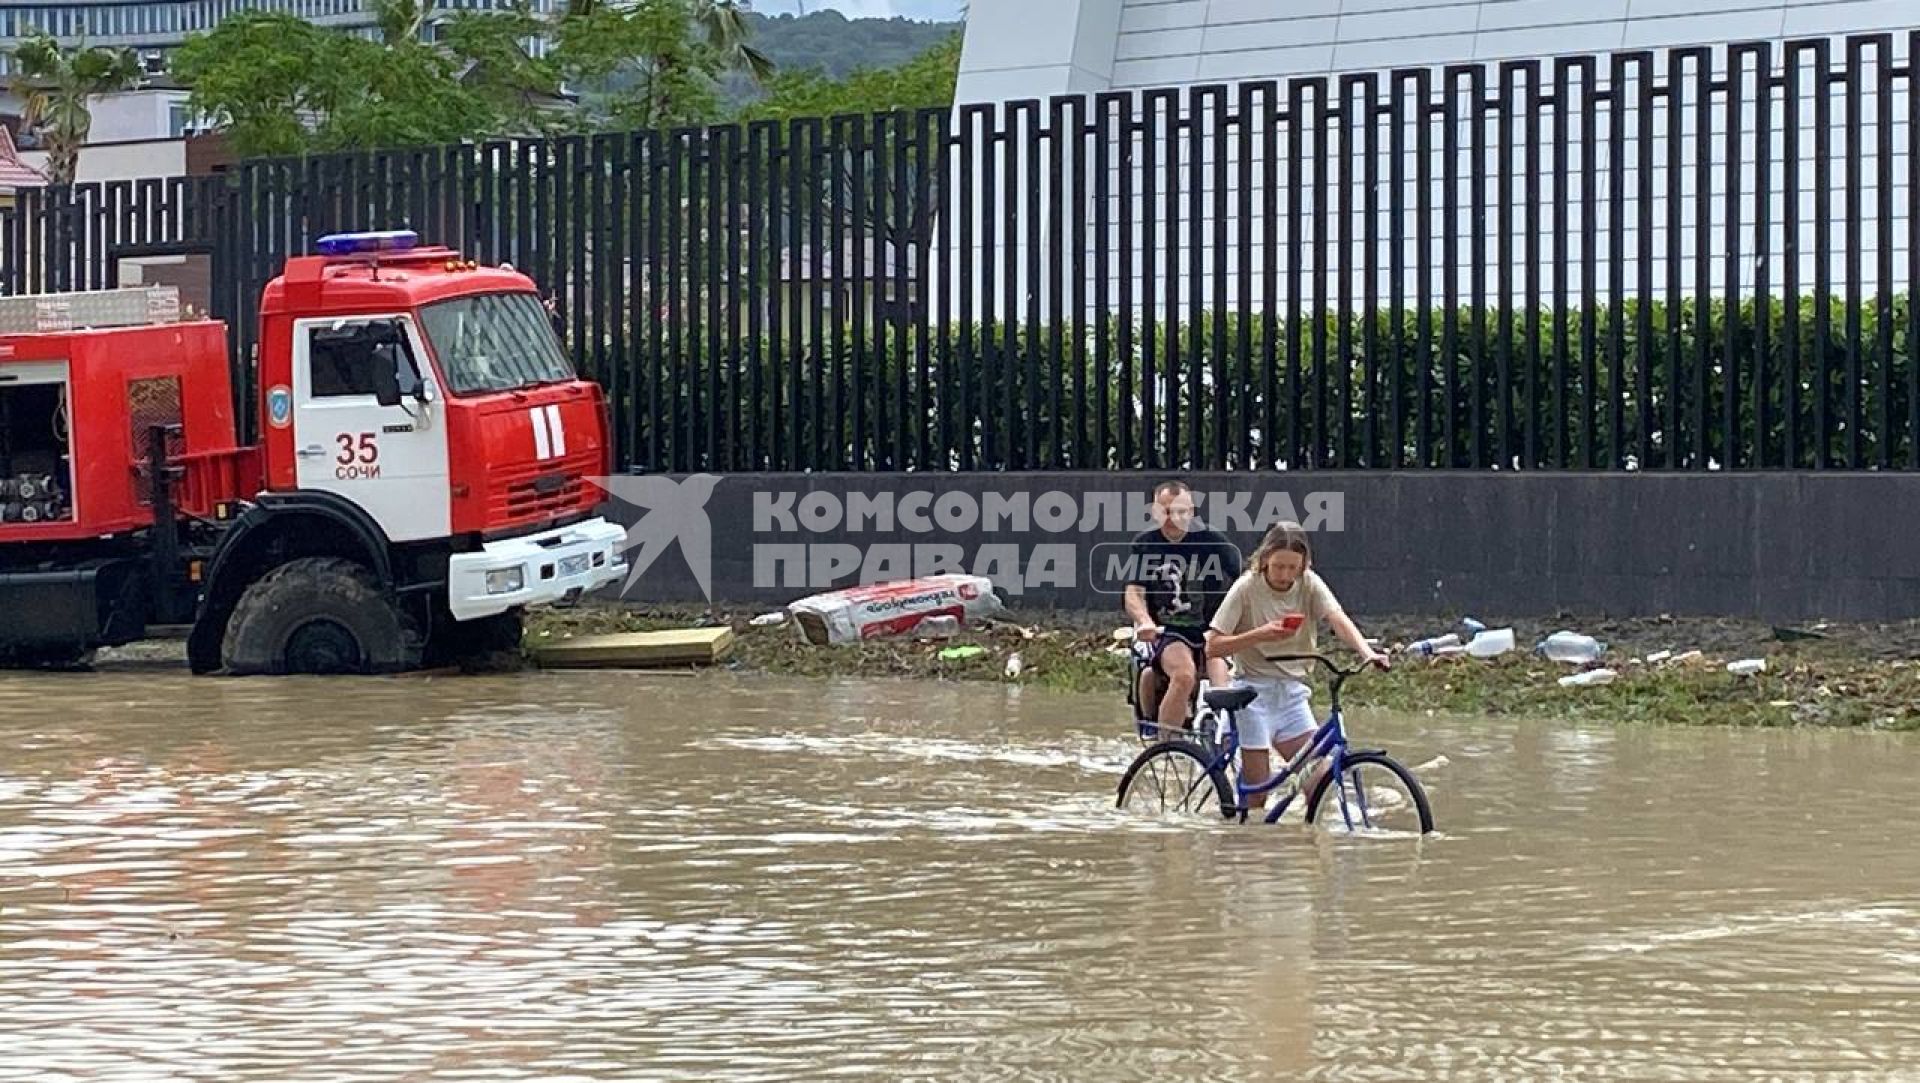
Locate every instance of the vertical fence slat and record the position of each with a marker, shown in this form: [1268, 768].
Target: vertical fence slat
[956, 379]
[1913, 251]
[1352, 107]
[1702, 258]
[1126, 424]
[854, 247]
[1175, 276]
[1244, 210]
[1039, 144]
[737, 454]
[1730, 442]
[1530, 385]
[1219, 403]
[1423, 266]
[1822, 359]
[1319, 455]
[1561, 411]
[930, 231]
[1270, 126]
[1791, 255]
[1883, 174]
[1763, 255]
[1675, 267]
[1450, 260]
[1103, 270]
[987, 367]
[1397, 275]
[1296, 124]
[1856, 155]
[1022, 120]
[900, 245]
[1477, 83]
[1370, 348]
[1150, 252]
[1058, 143]
[1503, 217]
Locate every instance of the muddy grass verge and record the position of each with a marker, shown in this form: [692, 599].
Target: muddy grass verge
[1847, 675]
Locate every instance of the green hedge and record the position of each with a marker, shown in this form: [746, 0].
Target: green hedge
[994, 396]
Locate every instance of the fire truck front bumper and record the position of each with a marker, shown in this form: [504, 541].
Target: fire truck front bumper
[540, 569]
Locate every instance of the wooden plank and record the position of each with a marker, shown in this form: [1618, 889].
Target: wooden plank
[638, 650]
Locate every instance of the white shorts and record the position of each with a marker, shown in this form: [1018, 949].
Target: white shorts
[1282, 711]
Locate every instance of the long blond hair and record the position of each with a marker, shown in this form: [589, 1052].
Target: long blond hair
[1285, 536]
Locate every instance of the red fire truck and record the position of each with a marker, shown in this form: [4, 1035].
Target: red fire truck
[424, 475]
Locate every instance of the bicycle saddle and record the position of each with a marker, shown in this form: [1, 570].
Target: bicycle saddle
[1230, 699]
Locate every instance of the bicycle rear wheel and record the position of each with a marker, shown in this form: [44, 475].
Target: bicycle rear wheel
[1176, 777]
[1375, 795]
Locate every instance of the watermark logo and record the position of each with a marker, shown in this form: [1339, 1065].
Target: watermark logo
[1020, 540]
[676, 512]
[1172, 571]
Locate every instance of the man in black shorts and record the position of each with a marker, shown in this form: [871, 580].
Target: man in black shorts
[1181, 572]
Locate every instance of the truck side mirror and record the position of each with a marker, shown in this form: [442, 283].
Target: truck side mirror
[386, 375]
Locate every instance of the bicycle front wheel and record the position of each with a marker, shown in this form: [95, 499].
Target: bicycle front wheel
[1176, 777]
[1373, 794]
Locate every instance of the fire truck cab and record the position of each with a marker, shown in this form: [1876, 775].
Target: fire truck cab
[424, 472]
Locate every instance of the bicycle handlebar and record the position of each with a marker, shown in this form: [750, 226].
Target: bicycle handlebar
[1322, 659]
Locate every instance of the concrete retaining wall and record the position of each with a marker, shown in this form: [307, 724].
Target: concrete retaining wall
[1775, 546]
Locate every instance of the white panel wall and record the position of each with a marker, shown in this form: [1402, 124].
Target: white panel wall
[1183, 43]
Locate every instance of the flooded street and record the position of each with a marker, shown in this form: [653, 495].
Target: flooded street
[618, 876]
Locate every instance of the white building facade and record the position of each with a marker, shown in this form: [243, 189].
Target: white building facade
[1672, 177]
[1021, 49]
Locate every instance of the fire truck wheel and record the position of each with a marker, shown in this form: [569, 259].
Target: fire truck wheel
[488, 643]
[320, 615]
[55, 658]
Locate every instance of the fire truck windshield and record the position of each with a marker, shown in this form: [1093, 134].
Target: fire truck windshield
[494, 342]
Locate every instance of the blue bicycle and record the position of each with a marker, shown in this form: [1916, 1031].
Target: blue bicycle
[1197, 772]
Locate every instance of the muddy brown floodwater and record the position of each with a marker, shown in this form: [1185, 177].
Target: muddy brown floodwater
[617, 876]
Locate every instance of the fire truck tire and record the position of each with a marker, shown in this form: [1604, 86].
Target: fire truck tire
[488, 643]
[55, 658]
[320, 615]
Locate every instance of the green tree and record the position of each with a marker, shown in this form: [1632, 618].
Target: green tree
[518, 86]
[863, 186]
[281, 86]
[656, 63]
[55, 84]
[925, 82]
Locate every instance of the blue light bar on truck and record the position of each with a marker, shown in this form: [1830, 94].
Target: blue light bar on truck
[349, 244]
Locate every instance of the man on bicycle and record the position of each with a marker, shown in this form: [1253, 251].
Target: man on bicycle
[1181, 572]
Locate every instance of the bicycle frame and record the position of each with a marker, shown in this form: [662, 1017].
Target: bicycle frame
[1329, 740]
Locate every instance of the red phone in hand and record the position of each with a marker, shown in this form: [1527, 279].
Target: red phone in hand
[1292, 622]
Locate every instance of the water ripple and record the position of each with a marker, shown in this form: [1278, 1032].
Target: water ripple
[611, 876]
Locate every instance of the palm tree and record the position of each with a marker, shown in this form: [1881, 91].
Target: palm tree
[400, 20]
[56, 83]
[724, 22]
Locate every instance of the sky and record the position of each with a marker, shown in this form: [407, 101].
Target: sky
[945, 10]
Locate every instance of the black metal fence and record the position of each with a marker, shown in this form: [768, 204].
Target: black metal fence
[1693, 259]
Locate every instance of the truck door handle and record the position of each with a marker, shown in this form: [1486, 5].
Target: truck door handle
[311, 451]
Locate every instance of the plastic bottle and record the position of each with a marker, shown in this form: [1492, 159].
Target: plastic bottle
[1491, 644]
[939, 626]
[1747, 667]
[1588, 679]
[1432, 645]
[1571, 647]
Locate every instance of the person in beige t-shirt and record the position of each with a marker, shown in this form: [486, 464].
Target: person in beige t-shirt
[1276, 608]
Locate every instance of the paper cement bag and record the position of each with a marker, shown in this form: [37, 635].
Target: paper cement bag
[889, 609]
